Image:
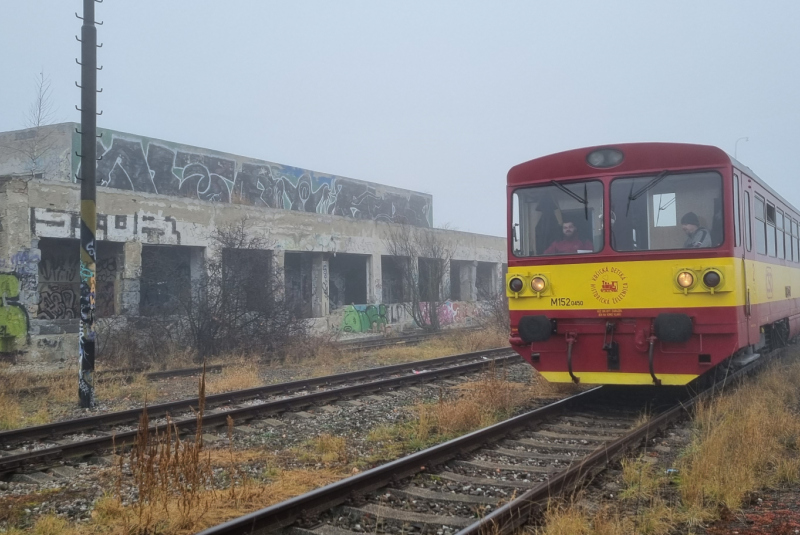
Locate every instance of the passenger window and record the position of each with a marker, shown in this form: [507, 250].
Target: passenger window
[737, 227]
[787, 236]
[779, 233]
[761, 226]
[771, 230]
[795, 249]
[747, 222]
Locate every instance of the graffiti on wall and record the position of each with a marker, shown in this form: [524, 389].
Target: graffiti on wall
[13, 318]
[147, 166]
[52, 223]
[452, 312]
[23, 262]
[364, 318]
[60, 282]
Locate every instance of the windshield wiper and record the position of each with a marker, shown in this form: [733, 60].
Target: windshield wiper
[633, 196]
[575, 196]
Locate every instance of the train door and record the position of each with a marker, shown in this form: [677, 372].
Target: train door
[743, 214]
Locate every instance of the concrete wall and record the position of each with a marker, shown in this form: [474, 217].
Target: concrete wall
[152, 192]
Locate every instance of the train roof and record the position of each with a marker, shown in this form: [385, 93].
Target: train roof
[638, 157]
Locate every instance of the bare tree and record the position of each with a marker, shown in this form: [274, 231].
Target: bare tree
[236, 303]
[35, 142]
[40, 114]
[425, 270]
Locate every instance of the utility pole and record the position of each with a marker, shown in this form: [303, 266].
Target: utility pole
[88, 158]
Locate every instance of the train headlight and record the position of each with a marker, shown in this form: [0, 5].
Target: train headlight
[685, 279]
[516, 285]
[712, 278]
[604, 158]
[538, 284]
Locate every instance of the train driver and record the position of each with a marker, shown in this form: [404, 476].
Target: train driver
[570, 242]
[696, 236]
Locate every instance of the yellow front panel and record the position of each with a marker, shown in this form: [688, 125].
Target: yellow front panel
[626, 285]
[613, 286]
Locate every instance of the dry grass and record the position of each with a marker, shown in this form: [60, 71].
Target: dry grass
[477, 404]
[744, 441]
[324, 449]
[239, 373]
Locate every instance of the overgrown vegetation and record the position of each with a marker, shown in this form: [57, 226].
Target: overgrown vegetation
[476, 405]
[425, 270]
[742, 442]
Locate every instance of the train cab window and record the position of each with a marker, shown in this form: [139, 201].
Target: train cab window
[747, 223]
[667, 211]
[771, 230]
[761, 225]
[557, 218]
[779, 233]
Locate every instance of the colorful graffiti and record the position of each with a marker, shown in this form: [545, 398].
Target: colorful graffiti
[13, 318]
[148, 166]
[452, 312]
[362, 318]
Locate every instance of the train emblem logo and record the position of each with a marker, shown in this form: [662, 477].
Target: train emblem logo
[609, 285]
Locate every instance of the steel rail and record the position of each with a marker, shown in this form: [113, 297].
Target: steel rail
[511, 516]
[50, 430]
[285, 513]
[241, 414]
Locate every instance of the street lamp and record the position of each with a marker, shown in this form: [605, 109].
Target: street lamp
[736, 145]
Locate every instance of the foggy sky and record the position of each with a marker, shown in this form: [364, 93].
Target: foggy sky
[434, 96]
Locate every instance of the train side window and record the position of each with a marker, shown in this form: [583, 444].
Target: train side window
[748, 233]
[787, 236]
[779, 233]
[795, 250]
[771, 229]
[761, 226]
[737, 227]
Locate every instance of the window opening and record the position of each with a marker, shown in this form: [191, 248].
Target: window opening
[667, 211]
[761, 226]
[736, 214]
[747, 227]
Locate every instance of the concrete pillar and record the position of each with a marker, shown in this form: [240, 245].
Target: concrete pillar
[320, 284]
[278, 270]
[498, 282]
[468, 276]
[446, 283]
[130, 285]
[374, 279]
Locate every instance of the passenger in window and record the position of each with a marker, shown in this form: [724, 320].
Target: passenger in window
[569, 243]
[697, 236]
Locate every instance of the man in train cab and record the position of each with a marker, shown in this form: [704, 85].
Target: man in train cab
[569, 243]
[696, 236]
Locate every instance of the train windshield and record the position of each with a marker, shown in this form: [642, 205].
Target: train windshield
[558, 218]
[666, 211]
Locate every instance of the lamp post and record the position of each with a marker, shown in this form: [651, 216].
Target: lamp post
[736, 145]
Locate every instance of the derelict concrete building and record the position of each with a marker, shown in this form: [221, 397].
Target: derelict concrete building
[158, 202]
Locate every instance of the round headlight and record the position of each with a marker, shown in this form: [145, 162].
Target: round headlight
[685, 279]
[711, 279]
[604, 158]
[516, 285]
[538, 284]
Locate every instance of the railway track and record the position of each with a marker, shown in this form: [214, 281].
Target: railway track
[97, 434]
[488, 481]
[127, 374]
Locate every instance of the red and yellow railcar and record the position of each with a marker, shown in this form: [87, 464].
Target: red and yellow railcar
[647, 263]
